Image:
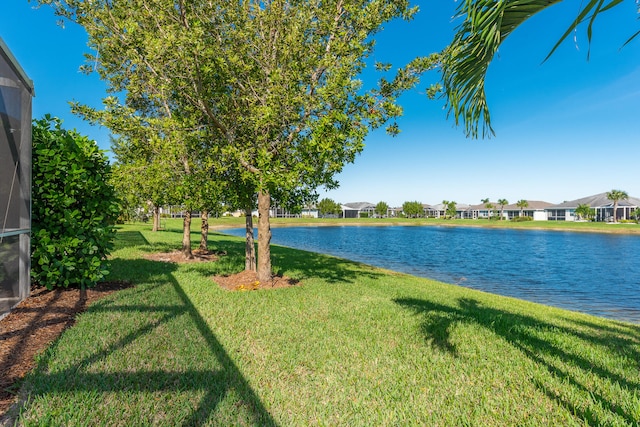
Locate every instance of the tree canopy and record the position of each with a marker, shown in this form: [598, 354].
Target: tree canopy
[328, 206]
[412, 209]
[270, 89]
[381, 209]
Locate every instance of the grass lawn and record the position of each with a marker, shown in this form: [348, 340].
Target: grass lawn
[352, 345]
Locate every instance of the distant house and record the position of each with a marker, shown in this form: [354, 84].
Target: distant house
[536, 209]
[358, 210]
[603, 207]
[480, 211]
[394, 212]
[440, 210]
[16, 92]
[278, 212]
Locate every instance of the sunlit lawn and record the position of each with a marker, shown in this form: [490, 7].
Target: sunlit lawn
[351, 345]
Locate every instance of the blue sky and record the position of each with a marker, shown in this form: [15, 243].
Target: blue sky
[565, 129]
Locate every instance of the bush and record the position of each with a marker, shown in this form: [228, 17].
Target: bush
[74, 208]
[521, 219]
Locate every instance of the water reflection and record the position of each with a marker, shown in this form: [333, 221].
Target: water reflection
[593, 273]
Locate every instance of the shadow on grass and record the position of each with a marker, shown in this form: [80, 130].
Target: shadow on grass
[294, 263]
[563, 362]
[19, 340]
[128, 239]
[286, 261]
[301, 264]
[215, 383]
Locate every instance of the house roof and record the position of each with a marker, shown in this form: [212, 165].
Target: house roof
[15, 65]
[596, 201]
[534, 205]
[442, 207]
[358, 206]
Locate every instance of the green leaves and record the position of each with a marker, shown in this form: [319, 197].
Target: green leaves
[73, 209]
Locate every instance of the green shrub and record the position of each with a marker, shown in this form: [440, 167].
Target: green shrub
[521, 219]
[74, 208]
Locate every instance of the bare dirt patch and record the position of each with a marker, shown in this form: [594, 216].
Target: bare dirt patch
[248, 281]
[33, 325]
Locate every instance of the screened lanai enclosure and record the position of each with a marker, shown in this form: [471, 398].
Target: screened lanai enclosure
[16, 91]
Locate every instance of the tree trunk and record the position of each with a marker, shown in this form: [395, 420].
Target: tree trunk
[204, 230]
[186, 235]
[250, 247]
[156, 218]
[615, 209]
[264, 237]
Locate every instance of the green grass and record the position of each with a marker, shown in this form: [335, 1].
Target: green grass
[596, 227]
[353, 345]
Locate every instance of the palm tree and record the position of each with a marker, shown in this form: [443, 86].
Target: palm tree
[615, 196]
[488, 205]
[522, 204]
[487, 23]
[502, 202]
[584, 211]
[445, 203]
[451, 209]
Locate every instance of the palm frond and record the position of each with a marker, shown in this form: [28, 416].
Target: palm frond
[485, 25]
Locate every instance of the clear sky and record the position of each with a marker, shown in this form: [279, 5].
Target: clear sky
[565, 129]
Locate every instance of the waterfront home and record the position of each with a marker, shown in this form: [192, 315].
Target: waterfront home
[536, 209]
[603, 207]
[440, 210]
[358, 210]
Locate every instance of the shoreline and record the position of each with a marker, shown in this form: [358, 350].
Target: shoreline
[604, 228]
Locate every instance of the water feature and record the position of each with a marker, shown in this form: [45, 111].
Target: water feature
[589, 272]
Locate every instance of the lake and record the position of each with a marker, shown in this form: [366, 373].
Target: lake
[588, 272]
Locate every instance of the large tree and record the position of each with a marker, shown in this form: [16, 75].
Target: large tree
[381, 209]
[328, 206]
[140, 178]
[412, 209]
[485, 25]
[275, 82]
[615, 196]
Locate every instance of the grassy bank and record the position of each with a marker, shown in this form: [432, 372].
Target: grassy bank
[351, 345]
[589, 227]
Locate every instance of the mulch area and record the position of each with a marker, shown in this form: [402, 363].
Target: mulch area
[40, 319]
[248, 281]
[36, 322]
[243, 281]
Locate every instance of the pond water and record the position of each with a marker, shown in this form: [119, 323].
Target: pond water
[593, 273]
